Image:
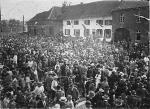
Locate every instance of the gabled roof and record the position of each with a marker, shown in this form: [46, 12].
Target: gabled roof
[94, 9]
[55, 14]
[52, 14]
[89, 10]
[39, 17]
[131, 4]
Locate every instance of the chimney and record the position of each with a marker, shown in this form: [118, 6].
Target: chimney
[69, 4]
[64, 6]
[81, 3]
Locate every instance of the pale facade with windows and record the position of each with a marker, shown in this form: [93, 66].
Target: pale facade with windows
[89, 27]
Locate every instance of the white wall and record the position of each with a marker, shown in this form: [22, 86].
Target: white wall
[93, 25]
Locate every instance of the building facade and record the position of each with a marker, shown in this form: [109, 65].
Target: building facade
[127, 24]
[89, 20]
[89, 27]
[104, 20]
[47, 23]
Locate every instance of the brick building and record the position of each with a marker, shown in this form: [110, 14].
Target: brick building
[126, 23]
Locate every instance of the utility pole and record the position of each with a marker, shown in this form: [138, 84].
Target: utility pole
[0, 21]
[23, 23]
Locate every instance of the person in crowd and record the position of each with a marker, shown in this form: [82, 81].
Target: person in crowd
[39, 89]
[88, 105]
[74, 92]
[70, 104]
[102, 73]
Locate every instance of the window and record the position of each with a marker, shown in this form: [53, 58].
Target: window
[93, 32]
[122, 18]
[87, 22]
[87, 32]
[138, 35]
[107, 33]
[108, 22]
[99, 33]
[68, 23]
[76, 22]
[138, 20]
[100, 22]
[76, 32]
[67, 31]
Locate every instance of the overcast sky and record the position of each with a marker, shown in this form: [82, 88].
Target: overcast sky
[17, 8]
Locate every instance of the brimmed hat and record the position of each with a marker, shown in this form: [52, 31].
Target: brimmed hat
[92, 64]
[55, 77]
[91, 94]
[101, 90]
[57, 106]
[50, 72]
[69, 97]
[88, 103]
[10, 72]
[90, 79]
[39, 83]
[121, 74]
[63, 99]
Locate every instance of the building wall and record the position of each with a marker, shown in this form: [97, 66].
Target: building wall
[45, 27]
[93, 25]
[130, 22]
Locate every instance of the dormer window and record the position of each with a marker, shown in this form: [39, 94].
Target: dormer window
[122, 18]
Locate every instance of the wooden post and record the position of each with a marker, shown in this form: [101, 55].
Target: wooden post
[23, 23]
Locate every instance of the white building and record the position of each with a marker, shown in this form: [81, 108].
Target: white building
[89, 20]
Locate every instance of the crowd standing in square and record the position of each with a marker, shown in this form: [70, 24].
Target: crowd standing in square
[43, 72]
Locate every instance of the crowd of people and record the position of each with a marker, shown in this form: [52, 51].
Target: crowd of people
[42, 72]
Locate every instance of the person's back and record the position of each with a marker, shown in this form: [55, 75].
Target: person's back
[49, 80]
[141, 91]
[59, 94]
[105, 83]
[63, 70]
[40, 104]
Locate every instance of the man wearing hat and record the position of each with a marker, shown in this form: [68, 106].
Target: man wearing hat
[54, 86]
[62, 102]
[90, 95]
[70, 103]
[73, 91]
[39, 89]
[59, 93]
[88, 105]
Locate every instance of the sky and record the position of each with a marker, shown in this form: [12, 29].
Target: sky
[15, 9]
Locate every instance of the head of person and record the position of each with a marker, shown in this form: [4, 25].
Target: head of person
[55, 77]
[91, 94]
[69, 97]
[39, 84]
[88, 104]
[58, 87]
